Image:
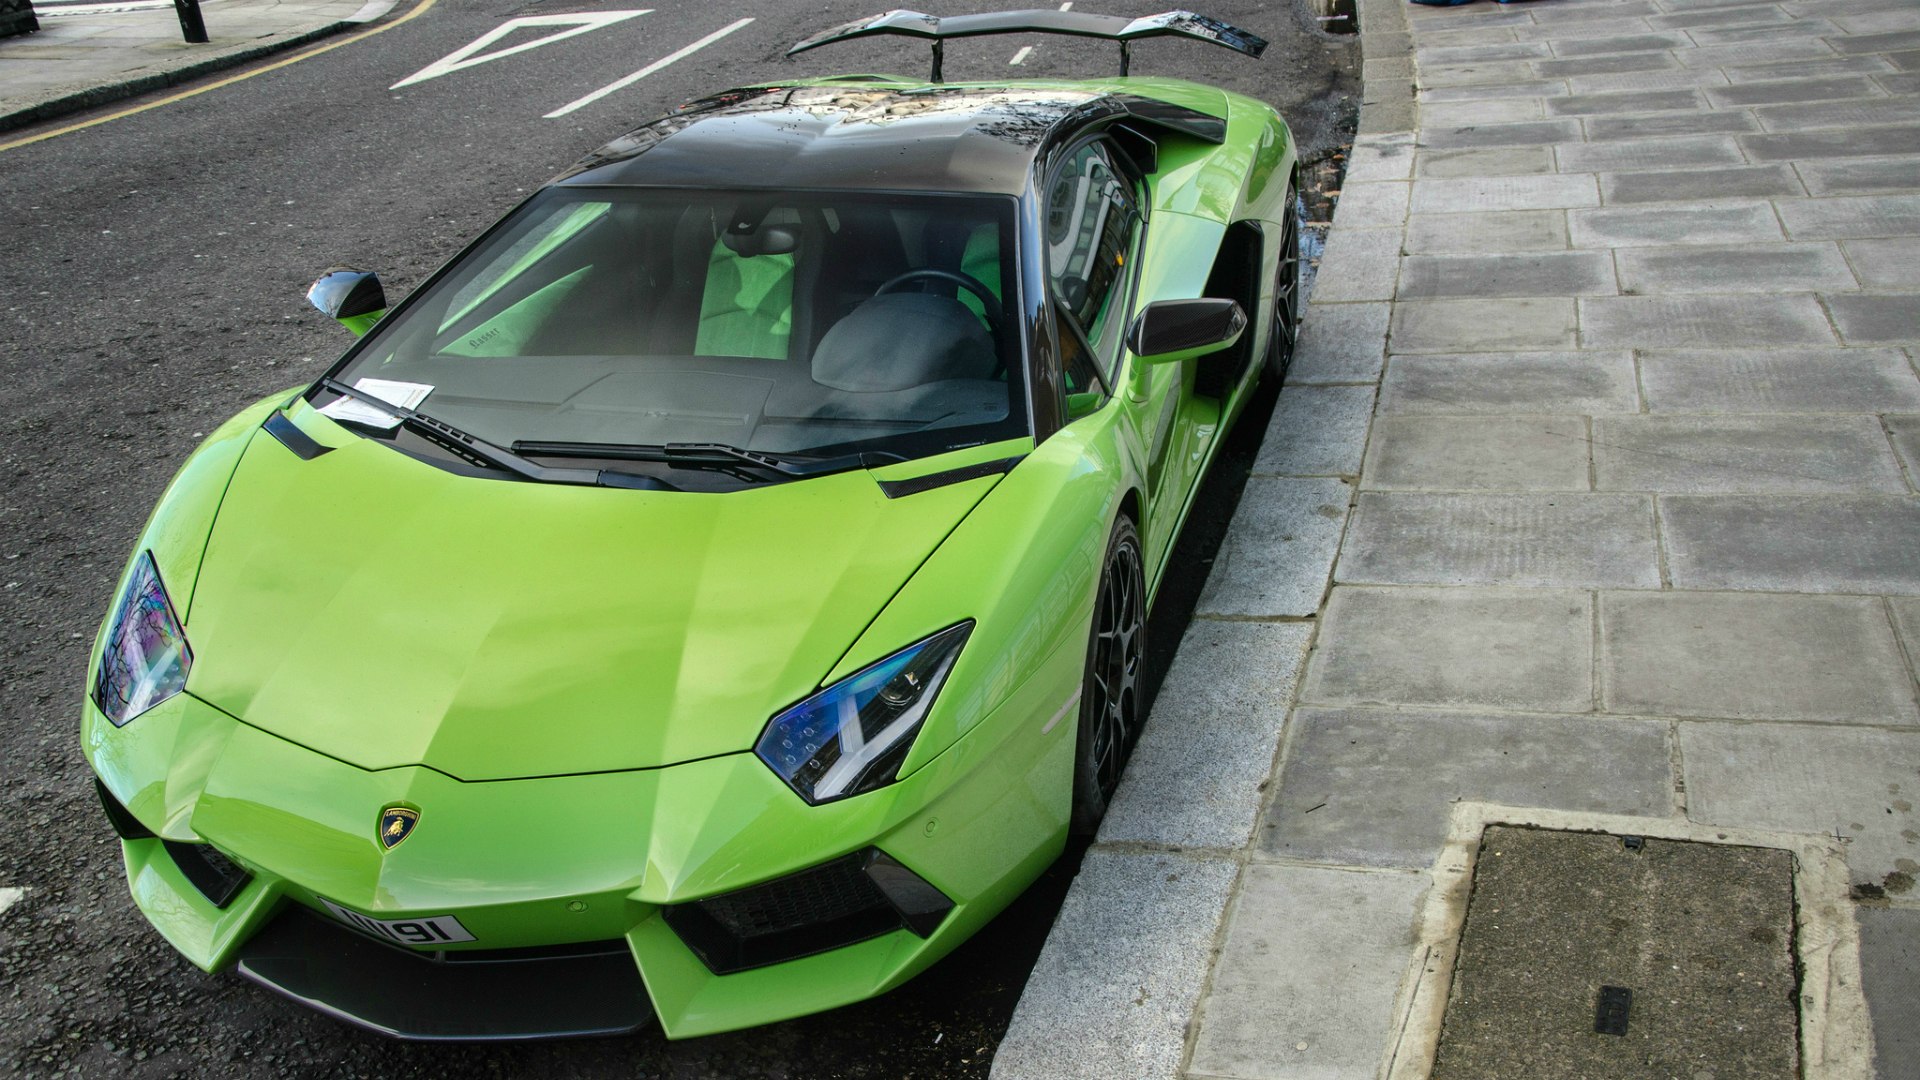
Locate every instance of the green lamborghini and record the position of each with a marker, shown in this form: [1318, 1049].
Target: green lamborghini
[721, 588]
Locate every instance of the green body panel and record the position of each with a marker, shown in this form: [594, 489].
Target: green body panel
[499, 630]
[567, 682]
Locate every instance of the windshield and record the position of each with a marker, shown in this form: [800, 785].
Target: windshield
[794, 323]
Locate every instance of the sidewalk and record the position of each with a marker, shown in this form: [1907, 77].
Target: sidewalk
[1590, 504]
[83, 60]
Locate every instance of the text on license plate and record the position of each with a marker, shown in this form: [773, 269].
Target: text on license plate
[438, 930]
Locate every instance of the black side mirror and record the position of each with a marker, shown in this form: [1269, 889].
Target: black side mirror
[1166, 331]
[354, 297]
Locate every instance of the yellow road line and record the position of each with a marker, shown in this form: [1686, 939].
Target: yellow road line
[305, 54]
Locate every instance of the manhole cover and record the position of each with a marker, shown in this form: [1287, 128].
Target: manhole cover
[1595, 957]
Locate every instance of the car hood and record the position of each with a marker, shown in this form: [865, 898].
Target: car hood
[385, 612]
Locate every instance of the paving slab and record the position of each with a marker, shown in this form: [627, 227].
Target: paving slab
[1792, 91]
[1905, 433]
[1517, 649]
[1734, 16]
[1752, 656]
[1373, 787]
[1887, 263]
[1891, 319]
[1498, 161]
[1806, 69]
[1665, 224]
[1475, 72]
[1889, 972]
[1359, 264]
[1538, 88]
[1562, 273]
[1467, 453]
[1373, 205]
[1598, 46]
[1680, 185]
[1569, 539]
[1873, 43]
[1316, 431]
[1798, 28]
[1199, 773]
[1494, 50]
[1736, 454]
[1676, 79]
[1497, 193]
[1557, 382]
[1701, 935]
[1340, 343]
[1856, 783]
[1359, 941]
[1755, 52]
[1604, 65]
[1529, 133]
[1521, 323]
[1669, 125]
[1277, 552]
[1660, 322]
[1775, 381]
[1798, 543]
[1121, 973]
[1641, 101]
[1380, 157]
[1851, 217]
[1814, 145]
[1768, 268]
[1512, 230]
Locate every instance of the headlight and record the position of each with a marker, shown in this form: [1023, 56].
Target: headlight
[852, 736]
[146, 657]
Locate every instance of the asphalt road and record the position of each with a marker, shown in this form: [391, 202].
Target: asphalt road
[152, 285]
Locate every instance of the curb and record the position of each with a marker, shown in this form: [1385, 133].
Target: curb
[107, 93]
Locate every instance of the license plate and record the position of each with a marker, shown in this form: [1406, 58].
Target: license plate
[438, 930]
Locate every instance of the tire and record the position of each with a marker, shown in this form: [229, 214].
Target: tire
[1110, 688]
[1286, 297]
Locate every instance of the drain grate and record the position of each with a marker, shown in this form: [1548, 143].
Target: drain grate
[1593, 957]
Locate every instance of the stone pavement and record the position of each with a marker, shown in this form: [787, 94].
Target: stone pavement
[85, 56]
[1591, 499]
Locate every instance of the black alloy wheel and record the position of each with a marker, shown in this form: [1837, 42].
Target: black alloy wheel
[1286, 296]
[1111, 709]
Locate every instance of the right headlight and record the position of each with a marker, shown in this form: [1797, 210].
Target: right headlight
[852, 736]
[146, 656]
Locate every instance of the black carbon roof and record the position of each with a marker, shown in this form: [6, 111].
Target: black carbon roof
[851, 135]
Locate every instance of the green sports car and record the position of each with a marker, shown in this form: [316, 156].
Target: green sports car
[721, 588]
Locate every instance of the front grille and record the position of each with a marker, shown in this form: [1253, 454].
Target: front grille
[835, 904]
[537, 992]
[215, 875]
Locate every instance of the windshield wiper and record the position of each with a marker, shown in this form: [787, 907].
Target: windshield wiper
[474, 448]
[712, 455]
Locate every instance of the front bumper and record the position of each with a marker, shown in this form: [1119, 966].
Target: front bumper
[549, 865]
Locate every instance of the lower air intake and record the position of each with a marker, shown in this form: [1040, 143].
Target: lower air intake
[835, 904]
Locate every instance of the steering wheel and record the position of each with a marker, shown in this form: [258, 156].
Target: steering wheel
[989, 303]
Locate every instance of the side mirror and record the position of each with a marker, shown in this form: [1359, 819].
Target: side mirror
[1171, 330]
[354, 297]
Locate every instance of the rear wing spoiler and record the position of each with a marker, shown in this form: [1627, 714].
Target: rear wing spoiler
[1043, 21]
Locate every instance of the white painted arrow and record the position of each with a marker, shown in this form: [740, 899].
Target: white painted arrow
[10, 897]
[470, 55]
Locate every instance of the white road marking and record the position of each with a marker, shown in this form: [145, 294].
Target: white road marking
[100, 9]
[1027, 50]
[10, 897]
[464, 57]
[622, 84]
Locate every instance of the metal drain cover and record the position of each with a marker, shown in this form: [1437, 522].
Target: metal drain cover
[1593, 957]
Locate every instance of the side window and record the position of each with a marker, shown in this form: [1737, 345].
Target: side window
[1091, 223]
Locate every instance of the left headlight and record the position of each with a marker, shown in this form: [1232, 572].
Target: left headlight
[852, 736]
[146, 657]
